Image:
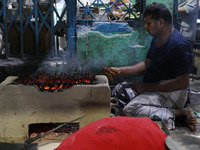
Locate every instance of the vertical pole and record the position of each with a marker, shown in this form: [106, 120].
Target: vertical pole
[36, 27]
[21, 29]
[52, 31]
[142, 6]
[175, 15]
[5, 35]
[71, 27]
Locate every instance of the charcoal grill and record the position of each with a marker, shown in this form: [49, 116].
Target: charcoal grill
[51, 80]
[24, 104]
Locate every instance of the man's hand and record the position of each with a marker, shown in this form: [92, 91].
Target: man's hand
[180, 82]
[111, 74]
[140, 87]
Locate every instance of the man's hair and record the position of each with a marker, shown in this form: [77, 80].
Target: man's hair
[157, 11]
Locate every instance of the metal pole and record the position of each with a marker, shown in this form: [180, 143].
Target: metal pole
[71, 28]
[41, 135]
[36, 27]
[5, 35]
[52, 31]
[175, 14]
[21, 29]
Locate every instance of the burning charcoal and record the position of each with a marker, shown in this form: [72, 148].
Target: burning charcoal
[57, 81]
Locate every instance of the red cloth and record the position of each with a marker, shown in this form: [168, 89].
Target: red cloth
[117, 133]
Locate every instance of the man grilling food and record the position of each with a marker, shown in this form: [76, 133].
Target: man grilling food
[164, 90]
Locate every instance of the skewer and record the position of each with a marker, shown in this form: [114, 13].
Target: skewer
[111, 74]
[29, 141]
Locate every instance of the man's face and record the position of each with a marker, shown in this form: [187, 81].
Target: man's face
[151, 26]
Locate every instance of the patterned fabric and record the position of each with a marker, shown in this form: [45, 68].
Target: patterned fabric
[154, 105]
[124, 93]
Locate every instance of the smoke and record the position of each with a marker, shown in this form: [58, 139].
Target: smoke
[66, 66]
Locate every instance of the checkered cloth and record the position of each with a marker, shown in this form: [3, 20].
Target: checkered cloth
[154, 105]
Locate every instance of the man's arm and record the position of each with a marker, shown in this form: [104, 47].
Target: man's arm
[181, 10]
[131, 70]
[189, 8]
[180, 82]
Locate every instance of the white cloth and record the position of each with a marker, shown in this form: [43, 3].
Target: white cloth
[160, 105]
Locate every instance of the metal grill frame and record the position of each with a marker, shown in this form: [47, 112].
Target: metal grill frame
[69, 28]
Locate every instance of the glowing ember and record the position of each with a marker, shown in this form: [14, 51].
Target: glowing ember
[46, 82]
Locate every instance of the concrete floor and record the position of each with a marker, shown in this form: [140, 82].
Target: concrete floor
[182, 137]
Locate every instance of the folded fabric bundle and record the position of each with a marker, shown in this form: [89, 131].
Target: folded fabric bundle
[117, 133]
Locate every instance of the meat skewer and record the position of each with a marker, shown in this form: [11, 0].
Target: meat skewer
[110, 74]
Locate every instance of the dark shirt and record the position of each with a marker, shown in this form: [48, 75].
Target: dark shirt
[174, 58]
